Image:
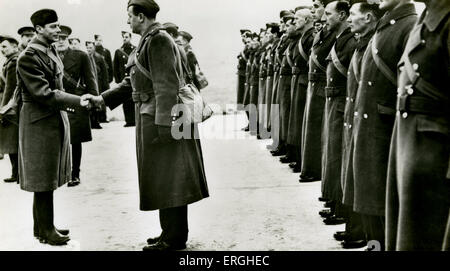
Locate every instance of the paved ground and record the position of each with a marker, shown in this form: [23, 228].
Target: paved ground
[256, 203]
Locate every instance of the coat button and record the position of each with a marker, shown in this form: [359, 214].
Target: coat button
[356, 114]
[329, 98]
[331, 79]
[351, 100]
[315, 70]
[124, 57]
[410, 91]
[369, 83]
[415, 66]
[345, 124]
[423, 41]
[405, 115]
[350, 126]
[392, 22]
[133, 72]
[313, 84]
[376, 51]
[347, 99]
[365, 116]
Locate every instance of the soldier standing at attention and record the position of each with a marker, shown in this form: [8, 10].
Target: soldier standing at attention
[107, 56]
[300, 57]
[278, 148]
[120, 72]
[418, 192]
[338, 60]
[242, 65]
[285, 88]
[44, 137]
[362, 20]
[26, 33]
[375, 114]
[9, 131]
[315, 99]
[79, 79]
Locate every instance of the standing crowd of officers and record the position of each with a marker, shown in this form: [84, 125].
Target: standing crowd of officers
[355, 94]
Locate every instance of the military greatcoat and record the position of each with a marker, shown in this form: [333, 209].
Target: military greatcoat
[418, 194]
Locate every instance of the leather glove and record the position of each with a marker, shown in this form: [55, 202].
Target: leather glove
[164, 135]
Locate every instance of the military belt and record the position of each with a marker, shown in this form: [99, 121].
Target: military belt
[140, 97]
[334, 91]
[314, 76]
[420, 105]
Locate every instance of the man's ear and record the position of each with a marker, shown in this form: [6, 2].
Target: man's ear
[141, 17]
[368, 18]
[38, 28]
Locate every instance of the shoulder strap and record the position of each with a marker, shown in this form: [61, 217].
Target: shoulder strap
[316, 61]
[355, 66]
[422, 85]
[337, 63]
[302, 50]
[381, 65]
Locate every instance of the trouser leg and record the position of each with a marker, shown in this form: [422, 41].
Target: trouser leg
[354, 226]
[76, 159]
[174, 224]
[43, 202]
[14, 158]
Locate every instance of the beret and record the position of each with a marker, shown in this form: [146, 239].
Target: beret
[65, 30]
[185, 35]
[125, 32]
[26, 30]
[89, 42]
[72, 39]
[8, 38]
[148, 5]
[43, 17]
[171, 28]
[96, 36]
[284, 13]
[302, 7]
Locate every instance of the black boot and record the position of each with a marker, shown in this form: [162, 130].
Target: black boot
[44, 213]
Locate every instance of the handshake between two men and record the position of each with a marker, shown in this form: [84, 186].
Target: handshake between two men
[90, 101]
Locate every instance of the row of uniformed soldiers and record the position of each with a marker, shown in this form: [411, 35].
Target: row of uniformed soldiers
[356, 95]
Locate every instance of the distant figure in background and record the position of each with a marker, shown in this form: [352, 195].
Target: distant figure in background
[75, 44]
[184, 39]
[9, 130]
[120, 72]
[79, 79]
[101, 74]
[110, 72]
[26, 33]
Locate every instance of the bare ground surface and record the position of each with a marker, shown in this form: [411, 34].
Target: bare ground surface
[255, 202]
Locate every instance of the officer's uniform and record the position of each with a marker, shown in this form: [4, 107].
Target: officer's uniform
[315, 105]
[335, 92]
[374, 116]
[354, 223]
[269, 81]
[9, 130]
[262, 87]
[120, 62]
[79, 79]
[418, 193]
[299, 85]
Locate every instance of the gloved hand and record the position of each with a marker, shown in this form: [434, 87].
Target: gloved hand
[164, 135]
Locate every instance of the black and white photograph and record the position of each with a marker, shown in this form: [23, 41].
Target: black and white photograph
[224, 126]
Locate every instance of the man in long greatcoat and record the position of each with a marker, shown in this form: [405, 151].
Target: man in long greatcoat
[299, 83]
[9, 130]
[315, 100]
[44, 129]
[171, 172]
[363, 19]
[418, 193]
[375, 114]
[79, 79]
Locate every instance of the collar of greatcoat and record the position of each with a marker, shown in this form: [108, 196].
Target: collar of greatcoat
[435, 13]
[391, 17]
